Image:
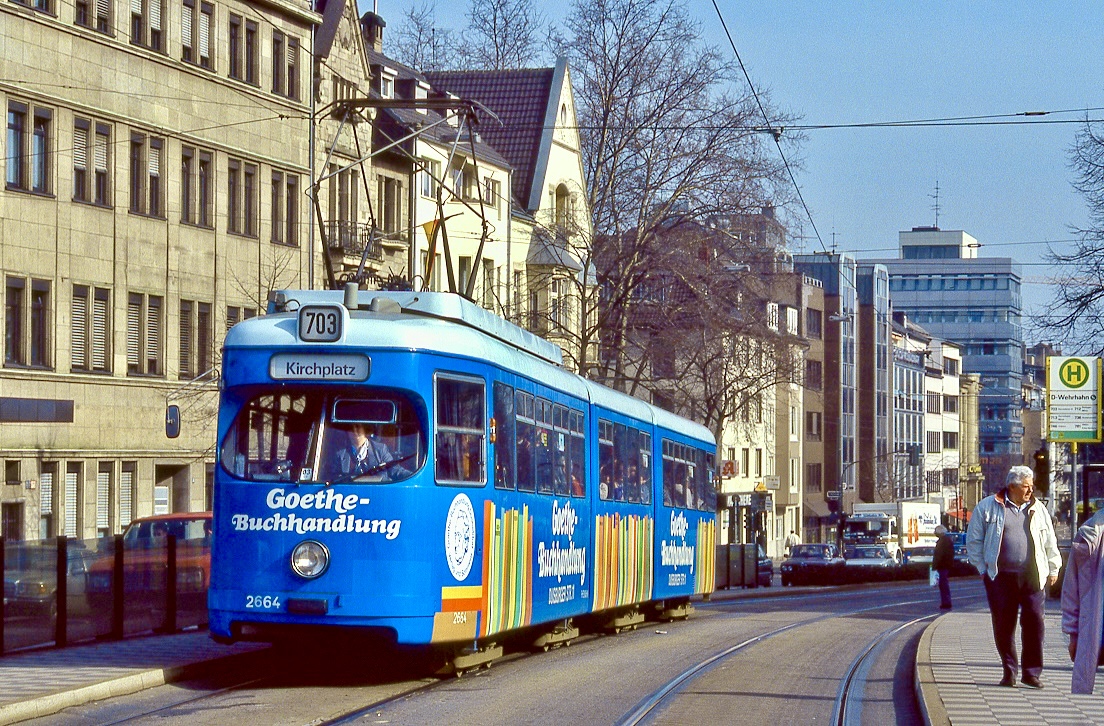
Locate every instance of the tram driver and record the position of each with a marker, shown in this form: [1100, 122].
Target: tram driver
[367, 454]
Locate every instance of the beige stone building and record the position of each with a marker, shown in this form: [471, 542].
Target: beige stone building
[155, 161]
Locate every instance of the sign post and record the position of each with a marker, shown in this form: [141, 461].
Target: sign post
[1073, 410]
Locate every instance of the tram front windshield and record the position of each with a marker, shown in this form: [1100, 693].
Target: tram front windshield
[326, 437]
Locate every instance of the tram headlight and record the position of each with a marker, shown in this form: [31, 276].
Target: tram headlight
[310, 559]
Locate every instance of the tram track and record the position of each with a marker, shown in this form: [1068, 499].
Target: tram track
[846, 702]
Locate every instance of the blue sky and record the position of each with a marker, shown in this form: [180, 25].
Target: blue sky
[846, 62]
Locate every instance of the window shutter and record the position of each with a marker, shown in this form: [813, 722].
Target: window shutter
[135, 7]
[46, 493]
[153, 335]
[80, 148]
[70, 504]
[186, 25]
[101, 152]
[185, 338]
[204, 35]
[155, 14]
[103, 8]
[99, 333]
[103, 499]
[134, 336]
[80, 331]
[126, 489]
[154, 160]
[292, 52]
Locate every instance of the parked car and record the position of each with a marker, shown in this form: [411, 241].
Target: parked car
[145, 561]
[811, 564]
[918, 556]
[868, 556]
[30, 579]
[765, 569]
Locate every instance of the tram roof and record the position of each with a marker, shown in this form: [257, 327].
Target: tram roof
[449, 324]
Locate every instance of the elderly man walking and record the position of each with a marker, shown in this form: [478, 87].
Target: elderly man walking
[1011, 542]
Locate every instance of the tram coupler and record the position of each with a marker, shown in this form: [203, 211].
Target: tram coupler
[628, 620]
[469, 659]
[562, 634]
[676, 611]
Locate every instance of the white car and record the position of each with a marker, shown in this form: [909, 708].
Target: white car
[868, 556]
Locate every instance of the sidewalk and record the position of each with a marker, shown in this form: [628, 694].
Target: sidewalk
[957, 671]
[44, 681]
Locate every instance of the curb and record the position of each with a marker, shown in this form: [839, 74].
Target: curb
[39, 706]
[931, 705]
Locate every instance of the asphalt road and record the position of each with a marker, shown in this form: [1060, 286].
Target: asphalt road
[774, 660]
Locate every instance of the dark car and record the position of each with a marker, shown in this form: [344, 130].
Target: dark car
[30, 579]
[765, 569]
[917, 556]
[811, 564]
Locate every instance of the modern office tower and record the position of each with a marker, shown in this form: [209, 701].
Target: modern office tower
[874, 437]
[975, 302]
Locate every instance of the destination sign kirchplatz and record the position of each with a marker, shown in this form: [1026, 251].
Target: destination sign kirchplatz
[1073, 398]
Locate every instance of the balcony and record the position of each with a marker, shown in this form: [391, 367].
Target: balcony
[351, 238]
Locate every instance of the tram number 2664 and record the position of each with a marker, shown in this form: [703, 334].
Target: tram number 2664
[320, 323]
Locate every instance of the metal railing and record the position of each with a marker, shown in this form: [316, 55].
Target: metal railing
[352, 238]
[67, 590]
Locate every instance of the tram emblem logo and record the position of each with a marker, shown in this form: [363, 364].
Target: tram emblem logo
[460, 537]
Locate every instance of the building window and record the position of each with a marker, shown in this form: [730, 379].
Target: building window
[814, 323]
[195, 187]
[195, 338]
[814, 375]
[195, 30]
[74, 471]
[758, 462]
[104, 492]
[145, 23]
[291, 216]
[26, 327]
[935, 443]
[90, 329]
[127, 479]
[102, 20]
[950, 404]
[277, 207]
[84, 141]
[390, 196]
[814, 477]
[935, 403]
[492, 192]
[28, 156]
[144, 326]
[241, 211]
[284, 209]
[427, 178]
[950, 439]
[234, 41]
[285, 65]
[145, 175]
[813, 425]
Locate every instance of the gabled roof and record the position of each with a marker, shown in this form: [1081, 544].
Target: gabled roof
[441, 133]
[521, 100]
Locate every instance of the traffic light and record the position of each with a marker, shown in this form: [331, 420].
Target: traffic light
[1042, 470]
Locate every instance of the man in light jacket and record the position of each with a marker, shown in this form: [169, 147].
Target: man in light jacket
[1083, 602]
[1011, 542]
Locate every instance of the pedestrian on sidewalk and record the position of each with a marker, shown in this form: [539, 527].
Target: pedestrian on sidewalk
[942, 561]
[1011, 542]
[1083, 602]
[791, 540]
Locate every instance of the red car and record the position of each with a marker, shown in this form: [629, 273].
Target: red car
[145, 549]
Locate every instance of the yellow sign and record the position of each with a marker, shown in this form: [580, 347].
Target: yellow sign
[760, 487]
[1074, 373]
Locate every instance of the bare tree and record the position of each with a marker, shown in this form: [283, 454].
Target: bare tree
[503, 34]
[1075, 314]
[665, 137]
[423, 44]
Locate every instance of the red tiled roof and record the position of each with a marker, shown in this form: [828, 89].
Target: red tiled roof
[520, 100]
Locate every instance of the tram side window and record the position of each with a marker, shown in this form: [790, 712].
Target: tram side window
[545, 447]
[461, 410]
[577, 454]
[605, 460]
[645, 442]
[526, 430]
[504, 436]
[679, 475]
[560, 455]
[707, 496]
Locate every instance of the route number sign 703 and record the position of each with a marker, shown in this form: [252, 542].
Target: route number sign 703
[320, 323]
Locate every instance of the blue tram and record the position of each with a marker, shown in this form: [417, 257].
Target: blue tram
[409, 465]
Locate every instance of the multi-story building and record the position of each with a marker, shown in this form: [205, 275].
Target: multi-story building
[974, 302]
[837, 273]
[816, 507]
[910, 352]
[155, 161]
[941, 422]
[873, 396]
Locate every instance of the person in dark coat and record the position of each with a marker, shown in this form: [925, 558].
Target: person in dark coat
[942, 561]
